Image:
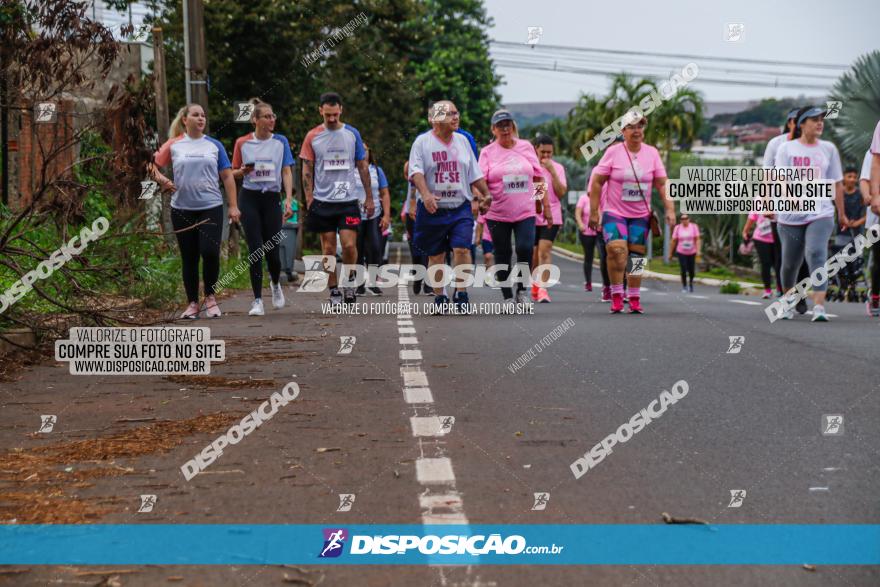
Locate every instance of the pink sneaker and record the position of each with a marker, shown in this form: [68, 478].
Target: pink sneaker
[191, 312]
[635, 305]
[211, 307]
[543, 297]
[588, 287]
[616, 303]
[535, 294]
[606, 294]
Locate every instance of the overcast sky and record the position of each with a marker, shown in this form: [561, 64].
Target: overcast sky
[820, 32]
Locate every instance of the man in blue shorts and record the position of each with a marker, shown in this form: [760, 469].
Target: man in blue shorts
[443, 168]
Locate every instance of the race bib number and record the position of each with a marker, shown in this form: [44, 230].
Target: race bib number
[336, 162]
[446, 190]
[764, 227]
[340, 190]
[631, 192]
[264, 171]
[687, 245]
[515, 184]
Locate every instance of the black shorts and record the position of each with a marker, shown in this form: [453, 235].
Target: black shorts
[333, 216]
[547, 233]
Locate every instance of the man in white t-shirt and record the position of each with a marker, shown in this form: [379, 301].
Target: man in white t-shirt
[444, 170]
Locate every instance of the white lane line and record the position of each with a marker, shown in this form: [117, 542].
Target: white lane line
[414, 377]
[434, 471]
[439, 501]
[427, 426]
[746, 302]
[696, 297]
[418, 395]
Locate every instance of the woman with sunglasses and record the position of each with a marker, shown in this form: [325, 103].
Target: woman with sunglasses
[262, 160]
[199, 163]
[806, 235]
[686, 244]
[631, 169]
[516, 180]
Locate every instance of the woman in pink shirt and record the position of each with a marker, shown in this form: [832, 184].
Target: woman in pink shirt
[630, 169]
[516, 181]
[766, 246]
[545, 232]
[686, 244]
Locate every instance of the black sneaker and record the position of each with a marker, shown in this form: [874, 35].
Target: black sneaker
[801, 307]
[335, 296]
[441, 302]
[375, 291]
[361, 290]
[461, 301]
[348, 295]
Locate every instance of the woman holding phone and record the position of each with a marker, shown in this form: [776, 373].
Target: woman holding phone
[263, 161]
[199, 163]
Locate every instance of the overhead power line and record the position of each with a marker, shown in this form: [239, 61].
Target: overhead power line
[541, 46]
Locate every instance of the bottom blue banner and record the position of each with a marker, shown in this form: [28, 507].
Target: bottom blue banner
[234, 544]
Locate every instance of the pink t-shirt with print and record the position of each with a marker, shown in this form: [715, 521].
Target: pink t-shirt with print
[687, 238]
[623, 197]
[555, 203]
[510, 173]
[763, 228]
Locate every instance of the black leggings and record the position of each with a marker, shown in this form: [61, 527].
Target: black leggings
[875, 269]
[502, 235]
[369, 242]
[768, 257]
[415, 255]
[202, 241]
[687, 264]
[588, 242]
[261, 220]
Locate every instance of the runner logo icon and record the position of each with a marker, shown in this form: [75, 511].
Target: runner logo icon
[736, 344]
[346, 500]
[832, 424]
[541, 500]
[334, 542]
[737, 496]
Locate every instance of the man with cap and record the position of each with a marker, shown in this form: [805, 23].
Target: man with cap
[445, 172]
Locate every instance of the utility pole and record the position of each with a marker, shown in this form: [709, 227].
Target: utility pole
[160, 87]
[194, 53]
[4, 127]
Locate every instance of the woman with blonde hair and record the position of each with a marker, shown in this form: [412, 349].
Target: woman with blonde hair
[199, 163]
[262, 160]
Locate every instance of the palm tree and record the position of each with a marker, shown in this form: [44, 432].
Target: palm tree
[859, 90]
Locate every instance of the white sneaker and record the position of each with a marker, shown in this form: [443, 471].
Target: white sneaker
[257, 308]
[819, 314]
[277, 295]
[789, 315]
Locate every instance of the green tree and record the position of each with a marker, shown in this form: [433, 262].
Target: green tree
[453, 62]
[859, 90]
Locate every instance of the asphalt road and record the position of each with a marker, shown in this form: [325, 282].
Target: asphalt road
[751, 421]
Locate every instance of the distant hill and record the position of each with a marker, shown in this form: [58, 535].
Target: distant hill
[769, 111]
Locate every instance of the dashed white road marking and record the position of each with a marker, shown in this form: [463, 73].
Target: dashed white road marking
[440, 502]
[746, 302]
[696, 297]
[433, 471]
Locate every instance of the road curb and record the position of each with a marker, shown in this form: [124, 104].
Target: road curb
[654, 275]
